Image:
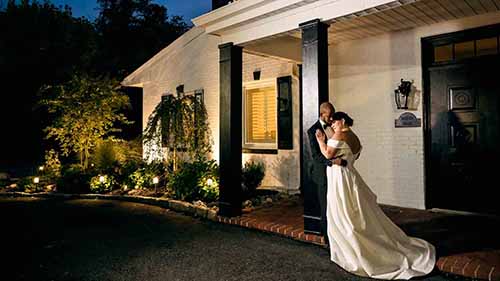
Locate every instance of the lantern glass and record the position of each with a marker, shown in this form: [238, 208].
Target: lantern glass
[403, 101]
[402, 93]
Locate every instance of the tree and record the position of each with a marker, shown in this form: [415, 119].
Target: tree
[85, 110]
[131, 32]
[44, 44]
[183, 125]
[40, 43]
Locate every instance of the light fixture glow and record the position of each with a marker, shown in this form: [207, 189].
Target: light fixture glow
[210, 182]
[40, 168]
[36, 179]
[101, 179]
[155, 180]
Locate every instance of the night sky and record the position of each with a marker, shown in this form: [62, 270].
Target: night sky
[187, 8]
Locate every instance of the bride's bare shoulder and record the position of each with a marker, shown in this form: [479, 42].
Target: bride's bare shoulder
[337, 135]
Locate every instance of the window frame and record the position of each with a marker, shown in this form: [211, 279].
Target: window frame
[250, 85]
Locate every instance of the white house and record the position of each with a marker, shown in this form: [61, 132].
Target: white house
[353, 53]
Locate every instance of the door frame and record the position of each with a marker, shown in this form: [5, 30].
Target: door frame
[427, 56]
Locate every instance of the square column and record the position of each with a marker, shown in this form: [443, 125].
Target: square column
[314, 92]
[230, 72]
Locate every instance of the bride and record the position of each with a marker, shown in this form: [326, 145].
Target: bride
[363, 240]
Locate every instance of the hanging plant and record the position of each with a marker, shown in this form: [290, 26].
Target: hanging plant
[179, 124]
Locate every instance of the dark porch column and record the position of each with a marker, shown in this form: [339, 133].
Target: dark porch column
[314, 92]
[230, 71]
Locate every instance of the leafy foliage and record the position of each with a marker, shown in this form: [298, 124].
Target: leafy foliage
[209, 184]
[44, 44]
[102, 183]
[252, 175]
[106, 156]
[131, 32]
[142, 178]
[85, 110]
[40, 43]
[183, 123]
[189, 182]
[74, 180]
[52, 165]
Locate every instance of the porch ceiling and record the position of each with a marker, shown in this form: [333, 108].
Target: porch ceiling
[399, 16]
[394, 16]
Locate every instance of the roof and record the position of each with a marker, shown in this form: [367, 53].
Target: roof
[137, 78]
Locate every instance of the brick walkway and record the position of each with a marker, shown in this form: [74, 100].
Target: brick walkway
[463, 248]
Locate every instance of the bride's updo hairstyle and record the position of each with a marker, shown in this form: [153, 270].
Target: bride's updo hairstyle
[339, 115]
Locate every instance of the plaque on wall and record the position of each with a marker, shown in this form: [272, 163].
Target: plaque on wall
[407, 119]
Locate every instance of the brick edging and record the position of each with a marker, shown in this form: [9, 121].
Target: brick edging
[276, 228]
[469, 267]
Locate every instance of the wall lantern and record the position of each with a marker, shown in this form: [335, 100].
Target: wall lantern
[180, 90]
[256, 74]
[401, 94]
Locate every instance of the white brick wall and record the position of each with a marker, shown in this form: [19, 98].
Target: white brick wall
[363, 76]
[201, 70]
[282, 169]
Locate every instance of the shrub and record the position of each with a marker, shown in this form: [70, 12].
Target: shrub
[52, 165]
[27, 184]
[252, 174]
[209, 187]
[123, 172]
[112, 154]
[143, 176]
[74, 180]
[141, 179]
[106, 156]
[196, 180]
[102, 183]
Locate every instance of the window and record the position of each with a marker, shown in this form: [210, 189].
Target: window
[466, 49]
[487, 46]
[260, 125]
[443, 53]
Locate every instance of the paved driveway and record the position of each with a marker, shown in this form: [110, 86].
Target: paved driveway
[52, 239]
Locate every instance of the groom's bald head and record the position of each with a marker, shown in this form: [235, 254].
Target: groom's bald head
[326, 111]
[326, 107]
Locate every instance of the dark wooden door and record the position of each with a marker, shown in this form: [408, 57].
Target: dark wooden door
[464, 126]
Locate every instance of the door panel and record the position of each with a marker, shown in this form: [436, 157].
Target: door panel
[464, 128]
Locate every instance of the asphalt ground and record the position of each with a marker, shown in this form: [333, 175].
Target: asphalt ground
[55, 239]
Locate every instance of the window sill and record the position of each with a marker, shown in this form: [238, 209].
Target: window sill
[259, 151]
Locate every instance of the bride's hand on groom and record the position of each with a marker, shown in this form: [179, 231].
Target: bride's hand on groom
[320, 136]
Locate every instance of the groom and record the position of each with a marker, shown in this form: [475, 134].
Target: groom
[320, 163]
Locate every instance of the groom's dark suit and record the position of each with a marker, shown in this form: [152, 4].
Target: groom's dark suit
[318, 172]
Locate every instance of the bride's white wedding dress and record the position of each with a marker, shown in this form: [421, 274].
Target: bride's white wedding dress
[363, 240]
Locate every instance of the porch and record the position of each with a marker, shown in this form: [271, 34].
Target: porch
[352, 53]
[466, 244]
